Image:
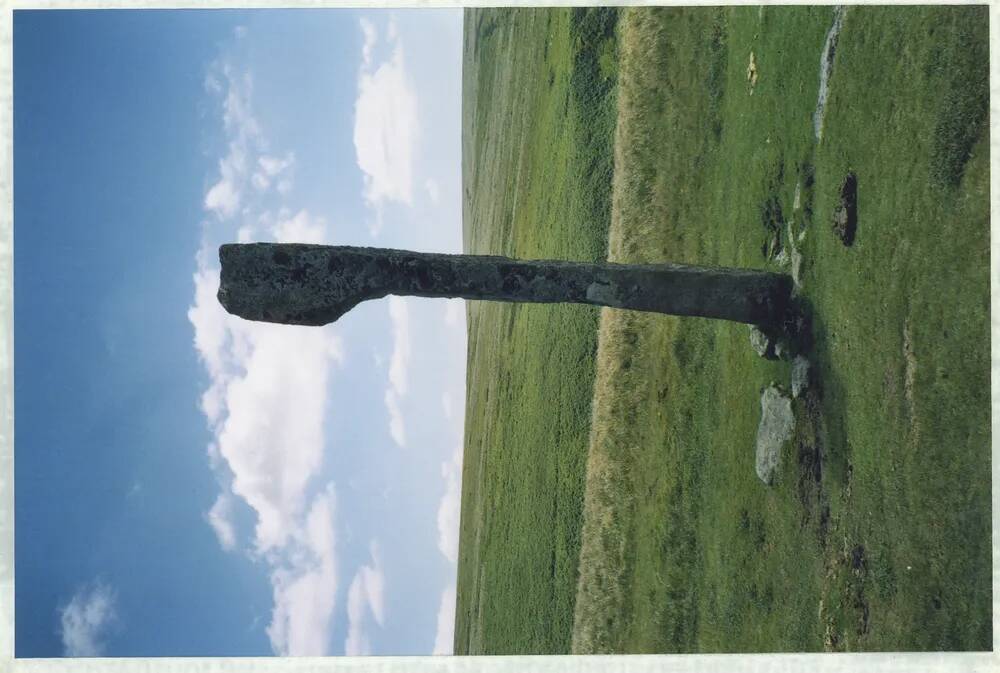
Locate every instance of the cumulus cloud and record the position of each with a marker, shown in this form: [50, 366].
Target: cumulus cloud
[397, 427]
[450, 506]
[84, 621]
[444, 640]
[266, 406]
[385, 124]
[245, 163]
[219, 518]
[302, 228]
[305, 585]
[365, 596]
[266, 393]
[268, 168]
[226, 194]
[399, 366]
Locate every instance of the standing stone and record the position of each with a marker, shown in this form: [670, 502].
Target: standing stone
[301, 284]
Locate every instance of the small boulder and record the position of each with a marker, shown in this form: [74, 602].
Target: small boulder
[761, 343]
[800, 376]
[777, 424]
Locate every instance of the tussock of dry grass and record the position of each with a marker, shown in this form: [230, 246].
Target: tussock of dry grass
[620, 386]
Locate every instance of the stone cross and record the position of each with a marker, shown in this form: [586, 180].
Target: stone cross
[301, 284]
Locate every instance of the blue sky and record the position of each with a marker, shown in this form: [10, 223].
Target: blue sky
[189, 483]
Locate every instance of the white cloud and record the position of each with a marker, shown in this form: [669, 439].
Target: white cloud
[445, 637]
[366, 595]
[226, 195]
[399, 365]
[433, 190]
[385, 125]
[220, 519]
[272, 435]
[83, 622]
[266, 396]
[237, 170]
[446, 405]
[450, 506]
[305, 585]
[223, 198]
[370, 38]
[397, 426]
[269, 168]
[302, 228]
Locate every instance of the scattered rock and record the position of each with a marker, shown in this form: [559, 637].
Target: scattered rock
[800, 375]
[782, 348]
[777, 423]
[782, 258]
[845, 217]
[762, 344]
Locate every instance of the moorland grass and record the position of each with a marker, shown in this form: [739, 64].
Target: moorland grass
[876, 532]
[538, 103]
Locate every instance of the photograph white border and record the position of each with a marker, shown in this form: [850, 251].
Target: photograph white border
[738, 663]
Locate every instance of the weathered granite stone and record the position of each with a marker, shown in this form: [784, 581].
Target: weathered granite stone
[303, 284]
[777, 423]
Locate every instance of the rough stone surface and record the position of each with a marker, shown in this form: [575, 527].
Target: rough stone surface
[800, 375]
[301, 284]
[782, 349]
[777, 423]
[761, 343]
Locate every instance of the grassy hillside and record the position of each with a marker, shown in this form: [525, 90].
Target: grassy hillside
[539, 112]
[876, 532]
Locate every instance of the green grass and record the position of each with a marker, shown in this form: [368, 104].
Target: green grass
[539, 112]
[876, 533]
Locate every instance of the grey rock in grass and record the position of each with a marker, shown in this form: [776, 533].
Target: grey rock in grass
[761, 343]
[782, 349]
[777, 424]
[800, 375]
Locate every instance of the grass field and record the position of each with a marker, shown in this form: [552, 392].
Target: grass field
[610, 502]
